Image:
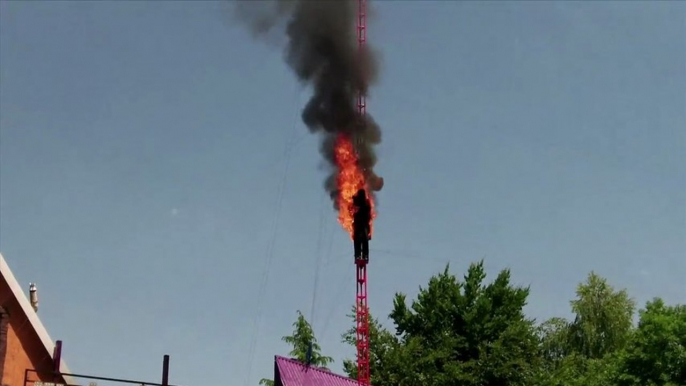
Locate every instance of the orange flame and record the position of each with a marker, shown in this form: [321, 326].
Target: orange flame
[349, 180]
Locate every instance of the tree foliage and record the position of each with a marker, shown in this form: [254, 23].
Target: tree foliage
[603, 318]
[602, 348]
[657, 353]
[469, 332]
[300, 341]
[382, 346]
[459, 332]
[584, 351]
[302, 338]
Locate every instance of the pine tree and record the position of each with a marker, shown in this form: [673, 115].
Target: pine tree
[303, 342]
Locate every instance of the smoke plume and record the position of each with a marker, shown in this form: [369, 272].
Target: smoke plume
[322, 50]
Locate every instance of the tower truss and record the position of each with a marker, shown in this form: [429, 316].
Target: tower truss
[362, 309]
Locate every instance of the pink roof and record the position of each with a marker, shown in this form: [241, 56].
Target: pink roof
[294, 373]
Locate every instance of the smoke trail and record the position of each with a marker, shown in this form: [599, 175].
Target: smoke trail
[323, 52]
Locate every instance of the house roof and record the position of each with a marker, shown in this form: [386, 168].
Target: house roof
[30, 313]
[294, 373]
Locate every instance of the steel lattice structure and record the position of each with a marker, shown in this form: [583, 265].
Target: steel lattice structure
[362, 310]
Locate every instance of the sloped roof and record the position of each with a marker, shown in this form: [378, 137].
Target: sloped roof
[30, 313]
[294, 373]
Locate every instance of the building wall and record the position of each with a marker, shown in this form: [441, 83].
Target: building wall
[4, 327]
[23, 348]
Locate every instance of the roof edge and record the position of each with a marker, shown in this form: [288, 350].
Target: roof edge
[30, 313]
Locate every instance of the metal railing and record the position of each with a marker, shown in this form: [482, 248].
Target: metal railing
[33, 377]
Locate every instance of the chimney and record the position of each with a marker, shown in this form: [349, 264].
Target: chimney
[33, 296]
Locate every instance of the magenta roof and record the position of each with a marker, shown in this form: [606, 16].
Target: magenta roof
[294, 373]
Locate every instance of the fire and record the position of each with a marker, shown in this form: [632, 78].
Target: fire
[349, 180]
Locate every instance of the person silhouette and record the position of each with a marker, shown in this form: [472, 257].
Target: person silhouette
[361, 227]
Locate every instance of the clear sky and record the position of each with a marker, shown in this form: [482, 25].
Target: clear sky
[144, 148]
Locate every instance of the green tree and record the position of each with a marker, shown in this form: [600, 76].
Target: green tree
[554, 340]
[656, 354]
[577, 370]
[460, 333]
[300, 341]
[603, 318]
[302, 338]
[266, 382]
[382, 345]
[587, 351]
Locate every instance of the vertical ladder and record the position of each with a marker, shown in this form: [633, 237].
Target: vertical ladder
[362, 322]
[362, 309]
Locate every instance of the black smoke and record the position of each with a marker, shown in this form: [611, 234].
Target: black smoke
[322, 50]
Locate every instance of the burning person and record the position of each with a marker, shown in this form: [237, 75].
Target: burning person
[361, 228]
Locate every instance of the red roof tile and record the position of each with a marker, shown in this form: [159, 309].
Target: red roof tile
[294, 373]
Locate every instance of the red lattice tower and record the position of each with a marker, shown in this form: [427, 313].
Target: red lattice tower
[362, 318]
[362, 309]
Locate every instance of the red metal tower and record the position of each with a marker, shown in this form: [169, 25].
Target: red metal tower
[362, 318]
[362, 310]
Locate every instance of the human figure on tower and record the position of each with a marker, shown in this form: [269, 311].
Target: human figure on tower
[361, 224]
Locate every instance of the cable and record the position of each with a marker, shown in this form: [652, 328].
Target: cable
[288, 148]
[317, 259]
[327, 260]
[335, 302]
[328, 252]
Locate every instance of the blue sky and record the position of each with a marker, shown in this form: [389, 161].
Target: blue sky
[144, 144]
